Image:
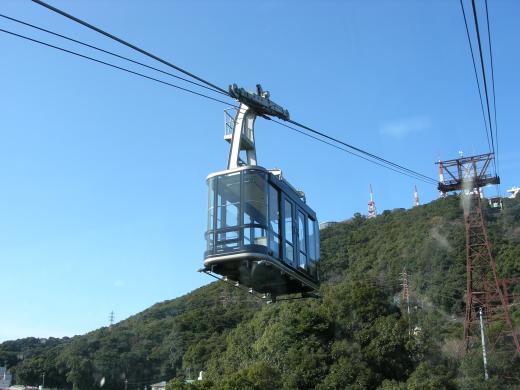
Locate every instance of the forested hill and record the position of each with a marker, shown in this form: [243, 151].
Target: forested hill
[358, 336]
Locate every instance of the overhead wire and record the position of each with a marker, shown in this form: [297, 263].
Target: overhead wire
[407, 172]
[350, 148]
[412, 174]
[112, 66]
[109, 53]
[494, 95]
[492, 78]
[482, 65]
[476, 75]
[134, 47]
[400, 167]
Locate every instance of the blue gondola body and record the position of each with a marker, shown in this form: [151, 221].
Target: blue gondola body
[260, 232]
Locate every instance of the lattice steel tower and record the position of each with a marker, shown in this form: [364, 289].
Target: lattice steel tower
[483, 289]
[405, 293]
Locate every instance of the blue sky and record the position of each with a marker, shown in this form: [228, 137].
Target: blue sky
[103, 195]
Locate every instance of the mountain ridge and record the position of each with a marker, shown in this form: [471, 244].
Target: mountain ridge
[331, 341]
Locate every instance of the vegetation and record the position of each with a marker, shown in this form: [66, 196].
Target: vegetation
[358, 336]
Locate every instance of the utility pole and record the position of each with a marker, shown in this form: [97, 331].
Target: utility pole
[484, 356]
[372, 212]
[126, 383]
[483, 289]
[406, 290]
[405, 294]
[225, 296]
[111, 318]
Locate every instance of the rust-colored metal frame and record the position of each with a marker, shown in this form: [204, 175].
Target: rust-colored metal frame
[484, 289]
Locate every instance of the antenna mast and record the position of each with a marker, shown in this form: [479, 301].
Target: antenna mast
[372, 212]
[442, 194]
[416, 196]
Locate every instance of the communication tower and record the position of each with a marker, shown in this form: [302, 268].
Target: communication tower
[415, 196]
[484, 291]
[441, 180]
[372, 212]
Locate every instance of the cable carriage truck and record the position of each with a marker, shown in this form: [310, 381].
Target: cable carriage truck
[261, 234]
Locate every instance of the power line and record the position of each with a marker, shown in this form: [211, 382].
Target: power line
[142, 51]
[493, 90]
[360, 152]
[351, 152]
[400, 167]
[108, 52]
[113, 66]
[88, 25]
[476, 75]
[492, 77]
[475, 18]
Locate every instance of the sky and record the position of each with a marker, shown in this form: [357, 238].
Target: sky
[102, 173]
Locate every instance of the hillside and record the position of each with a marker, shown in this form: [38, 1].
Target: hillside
[356, 336]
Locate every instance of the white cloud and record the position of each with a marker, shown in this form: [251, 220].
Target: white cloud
[119, 283]
[402, 128]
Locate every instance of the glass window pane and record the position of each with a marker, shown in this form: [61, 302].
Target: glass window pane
[289, 247]
[209, 242]
[274, 221]
[211, 202]
[289, 251]
[301, 233]
[227, 241]
[274, 245]
[228, 200]
[255, 236]
[274, 210]
[288, 222]
[255, 198]
[314, 249]
[303, 260]
[312, 239]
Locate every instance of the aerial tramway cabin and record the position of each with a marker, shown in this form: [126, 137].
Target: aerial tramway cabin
[261, 233]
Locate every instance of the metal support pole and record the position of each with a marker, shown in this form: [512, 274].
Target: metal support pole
[484, 355]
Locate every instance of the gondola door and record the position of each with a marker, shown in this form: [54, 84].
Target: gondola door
[289, 232]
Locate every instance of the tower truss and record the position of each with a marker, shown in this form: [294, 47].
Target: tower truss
[484, 289]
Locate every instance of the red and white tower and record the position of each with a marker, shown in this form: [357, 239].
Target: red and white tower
[442, 194]
[372, 212]
[415, 196]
